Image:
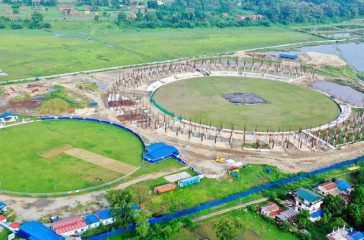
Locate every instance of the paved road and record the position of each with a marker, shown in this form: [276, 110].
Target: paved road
[229, 209]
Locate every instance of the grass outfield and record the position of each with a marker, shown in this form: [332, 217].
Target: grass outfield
[289, 106]
[20, 148]
[77, 46]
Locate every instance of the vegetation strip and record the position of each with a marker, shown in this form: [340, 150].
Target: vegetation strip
[233, 197]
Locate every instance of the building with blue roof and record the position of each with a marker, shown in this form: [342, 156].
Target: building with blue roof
[35, 230]
[105, 216]
[306, 199]
[355, 235]
[92, 221]
[8, 117]
[3, 206]
[291, 56]
[315, 216]
[160, 151]
[343, 185]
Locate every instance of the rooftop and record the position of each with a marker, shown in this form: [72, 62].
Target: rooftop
[35, 230]
[68, 225]
[105, 214]
[328, 186]
[319, 213]
[92, 218]
[342, 185]
[308, 195]
[356, 235]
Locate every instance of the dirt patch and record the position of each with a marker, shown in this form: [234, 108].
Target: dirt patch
[319, 59]
[244, 98]
[55, 151]
[100, 160]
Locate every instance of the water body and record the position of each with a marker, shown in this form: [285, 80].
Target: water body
[353, 53]
[343, 93]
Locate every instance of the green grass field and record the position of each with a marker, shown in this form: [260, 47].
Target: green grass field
[289, 106]
[77, 46]
[24, 170]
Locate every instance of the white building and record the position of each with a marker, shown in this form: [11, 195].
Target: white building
[306, 199]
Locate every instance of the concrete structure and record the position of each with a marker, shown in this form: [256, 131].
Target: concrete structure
[306, 199]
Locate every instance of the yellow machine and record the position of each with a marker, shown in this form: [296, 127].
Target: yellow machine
[220, 159]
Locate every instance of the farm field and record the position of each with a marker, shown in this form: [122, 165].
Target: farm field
[288, 106]
[38, 153]
[78, 46]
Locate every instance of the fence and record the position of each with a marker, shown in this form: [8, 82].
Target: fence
[237, 196]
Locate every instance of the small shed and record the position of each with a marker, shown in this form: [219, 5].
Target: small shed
[8, 117]
[189, 181]
[165, 188]
[3, 206]
[290, 56]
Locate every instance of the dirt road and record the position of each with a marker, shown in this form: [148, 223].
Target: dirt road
[229, 209]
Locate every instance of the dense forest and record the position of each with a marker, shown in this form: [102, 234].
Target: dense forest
[224, 13]
[312, 11]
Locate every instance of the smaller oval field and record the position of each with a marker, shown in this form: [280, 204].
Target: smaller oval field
[57, 156]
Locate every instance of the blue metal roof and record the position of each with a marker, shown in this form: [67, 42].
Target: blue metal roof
[7, 114]
[342, 185]
[356, 235]
[159, 150]
[2, 205]
[317, 214]
[105, 214]
[288, 55]
[92, 218]
[35, 230]
[308, 195]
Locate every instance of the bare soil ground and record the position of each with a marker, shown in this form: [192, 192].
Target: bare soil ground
[320, 59]
[55, 151]
[100, 160]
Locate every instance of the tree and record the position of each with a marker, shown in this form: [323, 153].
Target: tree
[355, 214]
[303, 218]
[334, 205]
[141, 220]
[228, 228]
[358, 177]
[36, 21]
[122, 203]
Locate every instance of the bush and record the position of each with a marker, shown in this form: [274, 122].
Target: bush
[2, 25]
[16, 26]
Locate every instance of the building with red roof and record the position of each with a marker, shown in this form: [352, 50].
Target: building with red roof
[3, 218]
[270, 210]
[15, 226]
[328, 188]
[70, 226]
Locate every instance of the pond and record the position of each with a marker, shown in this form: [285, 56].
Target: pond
[353, 53]
[343, 93]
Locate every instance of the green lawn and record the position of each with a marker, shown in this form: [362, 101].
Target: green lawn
[257, 228]
[207, 190]
[20, 147]
[79, 45]
[289, 106]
